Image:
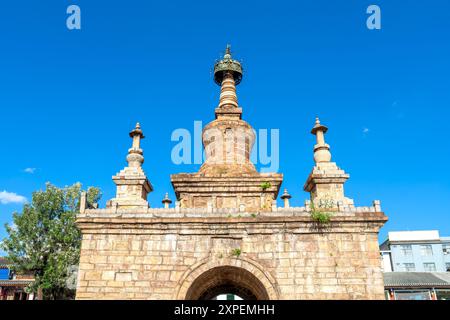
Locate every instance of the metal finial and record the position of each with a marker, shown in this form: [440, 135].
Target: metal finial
[227, 65]
[227, 52]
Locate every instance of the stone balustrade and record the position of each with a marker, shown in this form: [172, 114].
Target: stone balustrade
[177, 212]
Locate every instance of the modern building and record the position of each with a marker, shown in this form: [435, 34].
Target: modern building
[12, 286]
[416, 265]
[416, 251]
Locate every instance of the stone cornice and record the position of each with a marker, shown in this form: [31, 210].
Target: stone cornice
[369, 222]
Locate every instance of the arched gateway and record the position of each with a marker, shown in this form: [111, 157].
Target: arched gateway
[226, 233]
[227, 280]
[240, 277]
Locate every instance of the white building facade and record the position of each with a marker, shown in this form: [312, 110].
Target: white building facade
[416, 251]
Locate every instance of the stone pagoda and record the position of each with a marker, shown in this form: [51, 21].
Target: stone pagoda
[132, 183]
[225, 233]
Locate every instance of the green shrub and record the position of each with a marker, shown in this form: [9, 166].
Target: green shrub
[265, 185]
[236, 252]
[320, 214]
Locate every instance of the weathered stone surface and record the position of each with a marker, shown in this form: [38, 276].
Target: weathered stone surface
[226, 234]
[341, 262]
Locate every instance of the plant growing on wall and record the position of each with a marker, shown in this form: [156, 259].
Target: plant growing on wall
[265, 185]
[321, 213]
[236, 252]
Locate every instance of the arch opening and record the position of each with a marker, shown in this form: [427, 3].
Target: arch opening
[227, 280]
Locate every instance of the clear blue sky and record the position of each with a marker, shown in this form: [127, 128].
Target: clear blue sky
[69, 98]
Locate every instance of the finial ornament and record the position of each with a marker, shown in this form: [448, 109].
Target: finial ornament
[285, 197]
[228, 74]
[166, 201]
[137, 131]
[227, 52]
[286, 194]
[135, 154]
[321, 149]
[227, 65]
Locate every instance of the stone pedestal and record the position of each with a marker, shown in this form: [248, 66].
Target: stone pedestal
[252, 193]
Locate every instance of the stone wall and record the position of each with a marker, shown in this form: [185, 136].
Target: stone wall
[160, 258]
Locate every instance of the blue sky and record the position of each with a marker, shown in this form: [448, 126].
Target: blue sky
[69, 98]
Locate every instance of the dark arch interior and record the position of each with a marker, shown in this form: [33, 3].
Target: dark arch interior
[227, 280]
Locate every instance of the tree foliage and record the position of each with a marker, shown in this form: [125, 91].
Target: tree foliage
[44, 240]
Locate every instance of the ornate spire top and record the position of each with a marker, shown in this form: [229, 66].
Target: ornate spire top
[228, 65]
[227, 55]
[318, 126]
[137, 135]
[228, 74]
[321, 149]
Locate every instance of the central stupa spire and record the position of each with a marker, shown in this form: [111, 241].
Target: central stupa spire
[228, 140]
[227, 178]
[228, 74]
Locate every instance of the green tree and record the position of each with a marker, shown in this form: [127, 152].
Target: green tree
[44, 240]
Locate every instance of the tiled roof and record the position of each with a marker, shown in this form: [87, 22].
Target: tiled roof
[416, 279]
[15, 283]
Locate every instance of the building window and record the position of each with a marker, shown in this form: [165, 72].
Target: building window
[406, 250]
[443, 294]
[409, 267]
[412, 295]
[447, 267]
[426, 250]
[446, 248]
[429, 266]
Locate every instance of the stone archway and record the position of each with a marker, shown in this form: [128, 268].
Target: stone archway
[227, 280]
[243, 278]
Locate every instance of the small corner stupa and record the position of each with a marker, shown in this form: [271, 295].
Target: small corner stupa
[132, 183]
[326, 181]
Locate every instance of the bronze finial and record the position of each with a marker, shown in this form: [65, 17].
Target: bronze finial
[227, 65]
